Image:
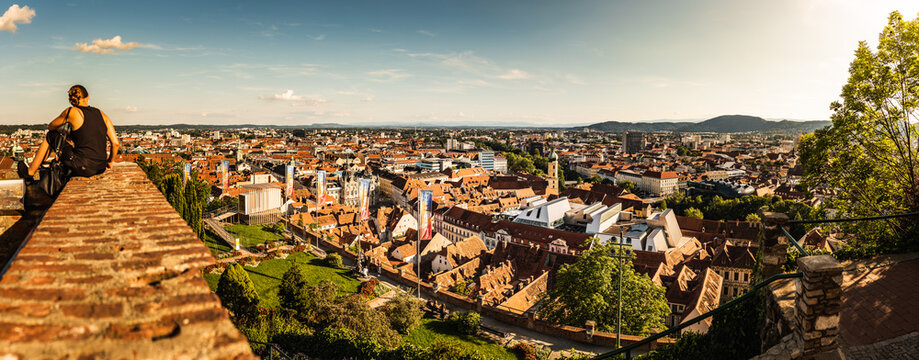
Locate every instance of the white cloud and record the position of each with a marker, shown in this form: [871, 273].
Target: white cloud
[16, 14]
[514, 74]
[368, 99]
[290, 96]
[317, 38]
[427, 33]
[387, 75]
[286, 96]
[575, 79]
[469, 62]
[668, 82]
[100, 46]
[130, 109]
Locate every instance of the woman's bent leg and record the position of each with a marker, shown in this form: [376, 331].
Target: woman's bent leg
[39, 158]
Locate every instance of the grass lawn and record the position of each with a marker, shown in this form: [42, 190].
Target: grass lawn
[251, 235]
[267, 276]
[214, 243]
[430, 330]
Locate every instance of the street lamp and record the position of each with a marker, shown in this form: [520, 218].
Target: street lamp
[620, 254]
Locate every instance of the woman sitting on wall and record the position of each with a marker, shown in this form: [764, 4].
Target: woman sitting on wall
[80, 132]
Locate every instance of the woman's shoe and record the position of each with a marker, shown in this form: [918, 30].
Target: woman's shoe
[23, 171]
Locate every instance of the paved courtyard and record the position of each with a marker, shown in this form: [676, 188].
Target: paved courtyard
[879, 317]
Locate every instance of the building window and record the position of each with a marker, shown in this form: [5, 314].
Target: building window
[746, 277]
[736, 276]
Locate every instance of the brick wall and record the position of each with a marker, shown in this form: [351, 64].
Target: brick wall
[112, 271]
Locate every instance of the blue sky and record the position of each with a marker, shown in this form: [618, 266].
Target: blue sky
[432, 62]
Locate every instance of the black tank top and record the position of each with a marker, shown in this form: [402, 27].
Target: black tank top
[89, 141]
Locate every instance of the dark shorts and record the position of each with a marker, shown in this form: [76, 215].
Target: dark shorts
[78, 165]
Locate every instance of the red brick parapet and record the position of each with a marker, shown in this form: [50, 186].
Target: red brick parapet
[112, 271]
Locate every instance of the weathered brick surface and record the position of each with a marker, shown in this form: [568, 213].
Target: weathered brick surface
[112, 271]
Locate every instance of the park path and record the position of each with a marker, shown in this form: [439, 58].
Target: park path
[245, 253]
[383, 299]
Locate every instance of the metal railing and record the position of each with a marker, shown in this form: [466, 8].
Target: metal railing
[627, 350]
[799, 243]
[272, 349]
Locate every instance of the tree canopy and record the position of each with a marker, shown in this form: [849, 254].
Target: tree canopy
[292, 293]
[870, 153]
[188, 199]
[404, 312]
[237, 292]
[587, 290]
[694, 213]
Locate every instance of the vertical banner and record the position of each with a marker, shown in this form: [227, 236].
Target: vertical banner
[364, 197]
[320, 187]
[289, 188]
[225, 180]
[425, 226]
[186, 172]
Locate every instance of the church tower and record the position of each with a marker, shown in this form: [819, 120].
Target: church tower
[552, 173]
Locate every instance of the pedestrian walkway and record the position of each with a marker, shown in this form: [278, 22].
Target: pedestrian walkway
[902, 347]
[383, 299]
[221, 232]
[879, 316]
[243, 253]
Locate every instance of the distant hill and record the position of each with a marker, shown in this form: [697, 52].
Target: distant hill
[720, 124]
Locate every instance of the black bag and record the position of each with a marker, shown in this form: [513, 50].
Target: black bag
[52, 179]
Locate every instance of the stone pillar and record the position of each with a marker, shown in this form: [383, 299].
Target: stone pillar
[817, 304]
[773, 243]
[531, 319]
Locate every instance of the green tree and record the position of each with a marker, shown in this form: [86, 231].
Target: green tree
[752, 218]
[404, 312]
[694, 213]
[237, 292]
[467, 322]
[292, 293]
[461, 287]
[870, 153]
[587, 290]
[362, 320]
[279, 227]
[188, 200]
[448, 350]
[334, 260]
[664, 204]
[628, 186]
[323, 303]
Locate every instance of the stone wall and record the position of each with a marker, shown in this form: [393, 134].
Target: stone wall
[802, 316]
[819, 296]
[112, 271]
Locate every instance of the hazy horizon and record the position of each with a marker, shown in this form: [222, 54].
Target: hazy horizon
[542, 63]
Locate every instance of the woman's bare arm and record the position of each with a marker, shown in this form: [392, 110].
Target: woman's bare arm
[60, 120]
[112, 138]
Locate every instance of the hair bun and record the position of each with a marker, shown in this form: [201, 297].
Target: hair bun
[76, 93]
